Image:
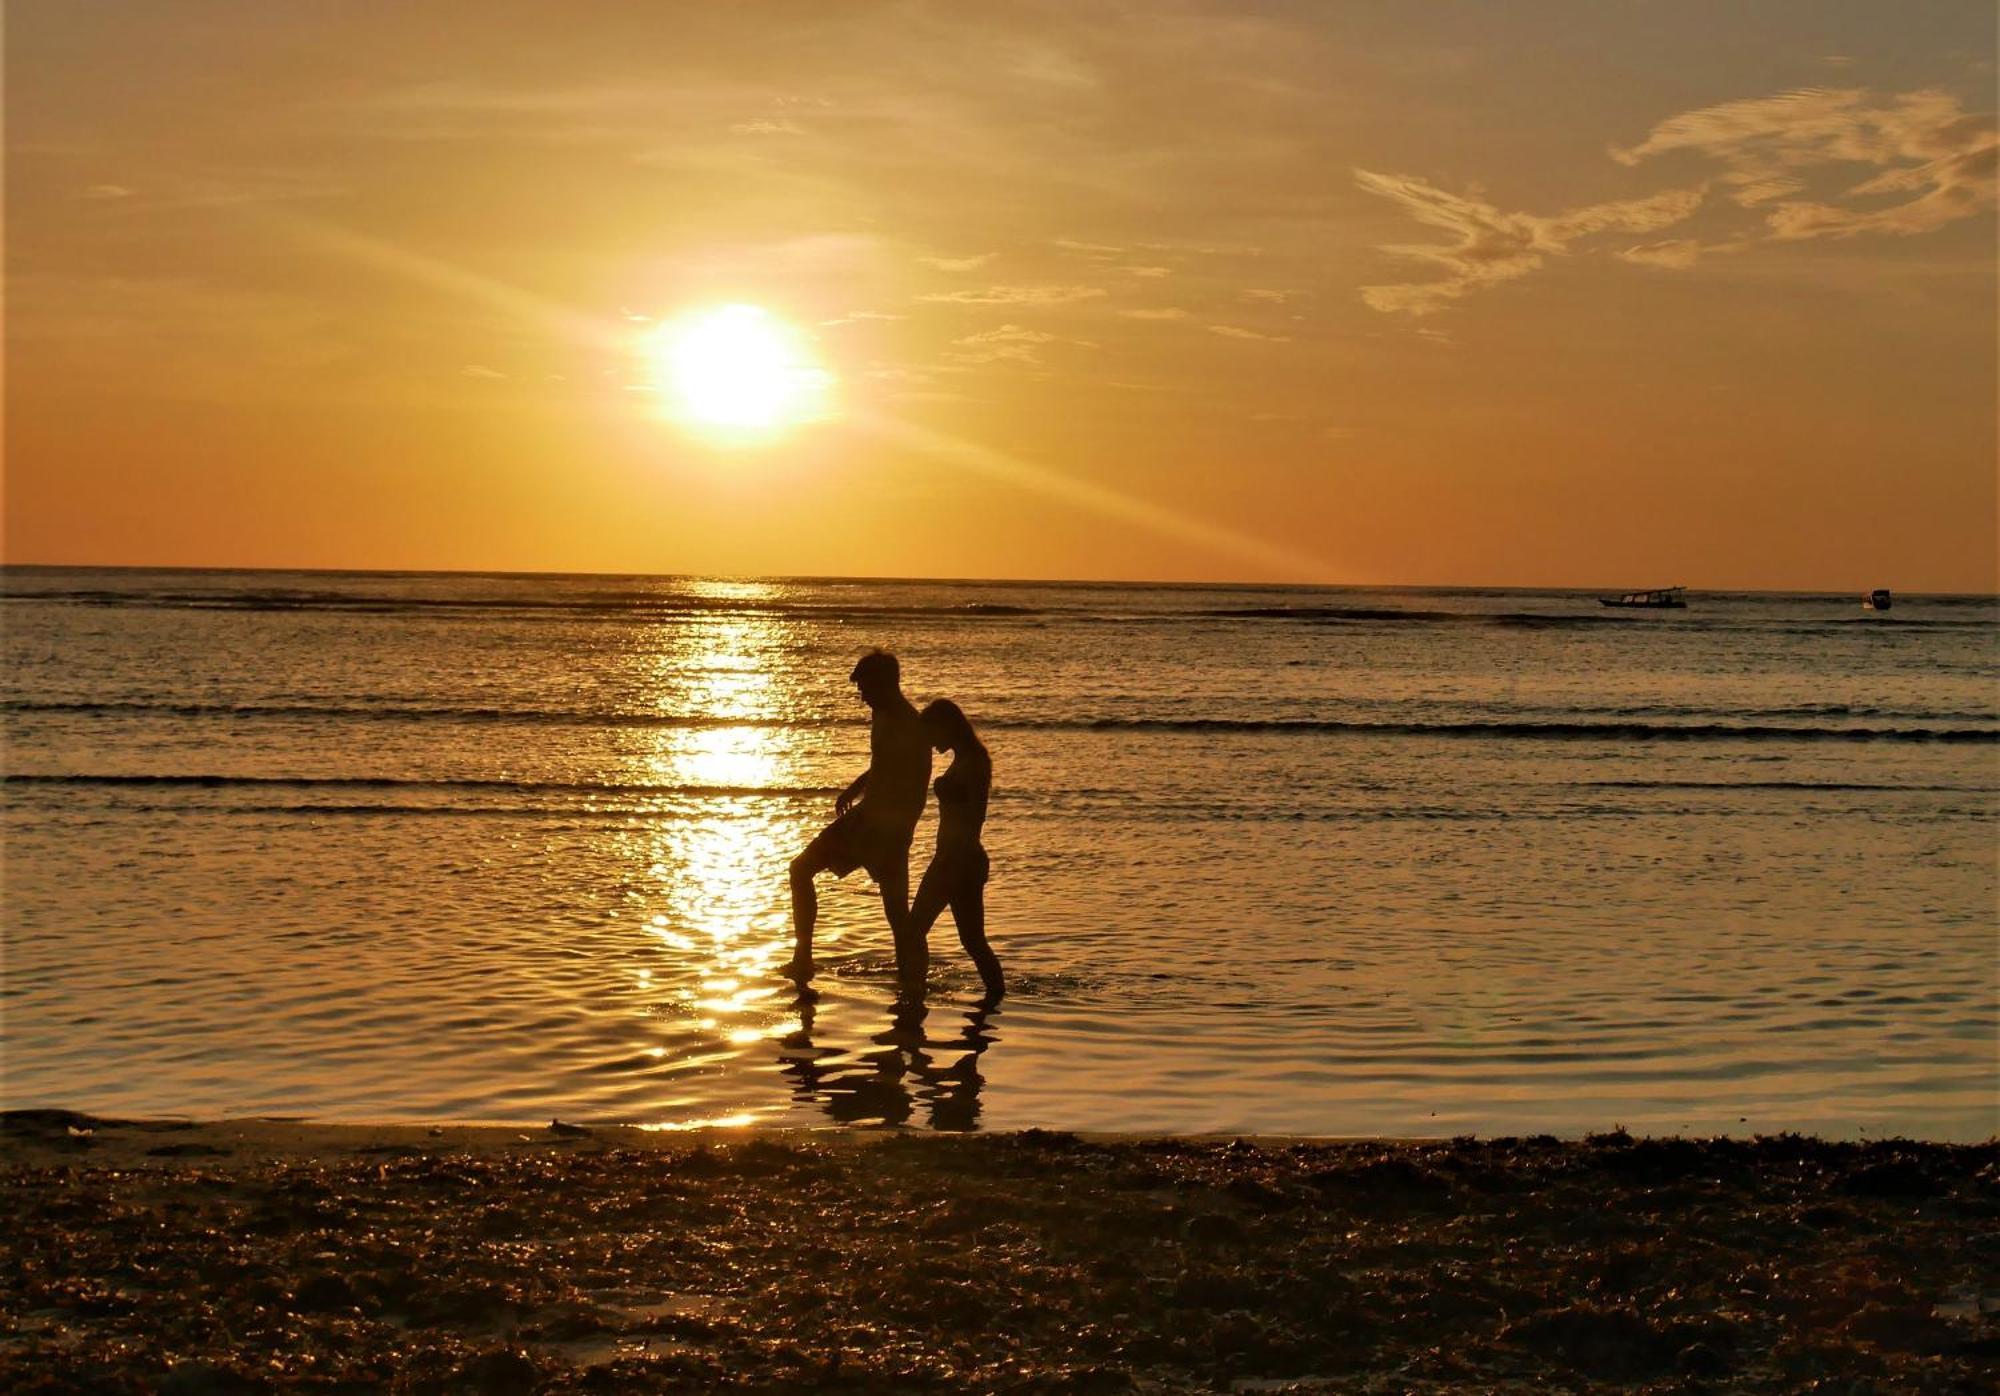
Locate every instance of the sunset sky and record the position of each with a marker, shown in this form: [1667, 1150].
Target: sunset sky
[1602, 294]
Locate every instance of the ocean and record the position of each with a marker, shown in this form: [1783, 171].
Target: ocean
[425, 847]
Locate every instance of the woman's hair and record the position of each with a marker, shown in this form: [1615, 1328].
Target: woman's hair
[945, 714]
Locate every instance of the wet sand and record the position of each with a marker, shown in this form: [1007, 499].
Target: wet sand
[264, 1255]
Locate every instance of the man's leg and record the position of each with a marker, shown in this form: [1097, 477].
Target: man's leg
[912, 959]
[933, 895]
[805, 910]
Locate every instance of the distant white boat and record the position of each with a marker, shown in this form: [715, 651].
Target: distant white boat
[1877, 600]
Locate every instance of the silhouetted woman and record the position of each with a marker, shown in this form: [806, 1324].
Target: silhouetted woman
[956, 877]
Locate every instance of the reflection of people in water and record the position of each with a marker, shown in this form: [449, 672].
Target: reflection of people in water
[887, 1084]
[957, 875]
[874, 819]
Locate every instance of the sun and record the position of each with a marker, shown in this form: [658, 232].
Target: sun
[737, 373]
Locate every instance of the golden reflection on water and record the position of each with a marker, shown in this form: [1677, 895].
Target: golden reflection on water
[737, 1120]
[715, 891]
[732, 589]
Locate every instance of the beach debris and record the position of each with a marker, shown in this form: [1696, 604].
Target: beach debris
[499, 1372]
[1702, 1361]
[1899, 1177]
[1213, 1229]
[324, 1292]
[215, 1378]
[1000, 1262]
[45, 1121]
[1964, 1303]
[564, 1130]
[1610, 1343]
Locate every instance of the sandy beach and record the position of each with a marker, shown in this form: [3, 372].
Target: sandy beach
[258, 1255]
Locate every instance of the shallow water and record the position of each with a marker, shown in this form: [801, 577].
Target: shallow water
[1332, 862]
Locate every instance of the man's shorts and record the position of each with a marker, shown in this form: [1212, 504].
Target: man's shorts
[859, 840]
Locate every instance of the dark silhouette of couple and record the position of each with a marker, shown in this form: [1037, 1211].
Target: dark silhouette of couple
[876, 817]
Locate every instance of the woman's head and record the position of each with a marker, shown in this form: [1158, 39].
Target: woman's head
[948, 726]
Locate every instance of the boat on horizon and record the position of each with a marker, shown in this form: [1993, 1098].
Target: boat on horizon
[1657, 599]
[1877, 600]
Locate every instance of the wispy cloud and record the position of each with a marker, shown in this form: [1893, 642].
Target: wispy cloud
[1931, 164]
[1009, 343]
[902, 373]
[445, 95]
[1238, 332]
[853, 316]
[1200, 249]
[1275, 295]
[1675, 253]
[1017, 295]
[1925, 144]
[767, 128]
[1489, 245]
[1099, 250]
[1165, 312]
[957, 263]
[1147, 273]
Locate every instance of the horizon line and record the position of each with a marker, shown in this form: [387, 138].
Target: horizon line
[8, 566]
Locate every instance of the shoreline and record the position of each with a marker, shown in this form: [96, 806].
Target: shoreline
[38, 1136]
[252, 1255]
[45, 1135]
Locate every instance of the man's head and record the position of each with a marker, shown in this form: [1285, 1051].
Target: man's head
[878, 676]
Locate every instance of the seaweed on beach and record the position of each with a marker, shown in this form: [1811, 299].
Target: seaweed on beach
[1034, 1262]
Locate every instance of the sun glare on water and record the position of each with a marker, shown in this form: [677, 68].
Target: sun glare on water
[738, 372]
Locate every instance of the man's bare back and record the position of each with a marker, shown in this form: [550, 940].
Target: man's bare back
[899, 765]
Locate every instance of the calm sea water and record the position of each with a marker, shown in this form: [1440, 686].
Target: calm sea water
[420, 847]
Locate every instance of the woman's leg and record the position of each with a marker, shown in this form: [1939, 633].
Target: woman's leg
[968, 910]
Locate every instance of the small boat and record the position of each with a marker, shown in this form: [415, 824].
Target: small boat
[1877, 600]
[1658, 599]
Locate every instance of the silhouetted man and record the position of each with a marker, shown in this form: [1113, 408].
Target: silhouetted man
[874, 818]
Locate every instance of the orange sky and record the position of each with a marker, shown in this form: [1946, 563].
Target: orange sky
[1584, 294]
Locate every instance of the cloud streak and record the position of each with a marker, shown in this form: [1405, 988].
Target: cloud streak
[1674, 253]
[1017, 295]
[1929, 150]
[1488, 246]
[957, 263]
[1009, 344]
[1238, 332]
[1927, 163]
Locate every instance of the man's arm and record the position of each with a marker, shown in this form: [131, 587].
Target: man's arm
[845, 800]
